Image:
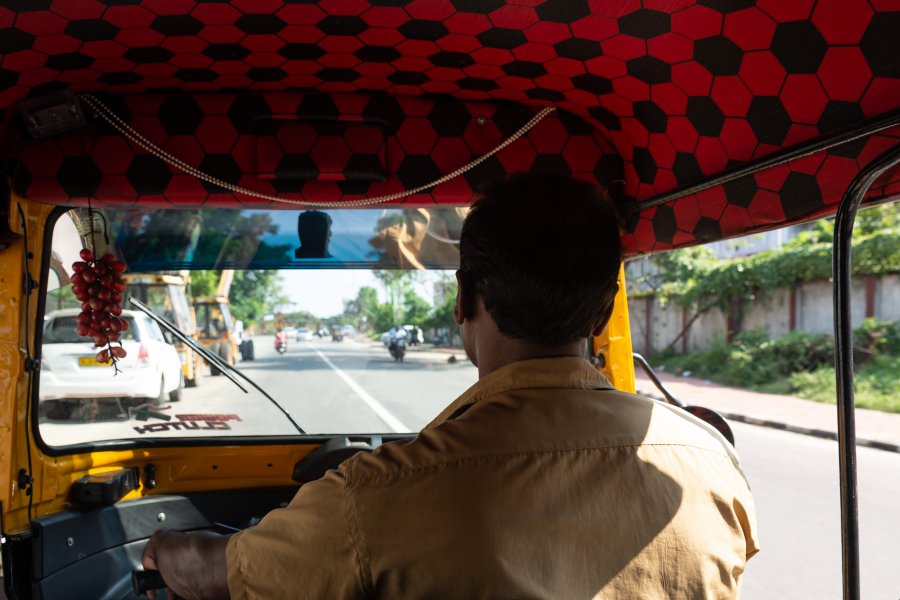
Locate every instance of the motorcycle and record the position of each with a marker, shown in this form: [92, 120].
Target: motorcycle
[280, 343]
[397, 348]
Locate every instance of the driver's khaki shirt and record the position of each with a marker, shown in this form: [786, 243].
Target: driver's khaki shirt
[540, 481]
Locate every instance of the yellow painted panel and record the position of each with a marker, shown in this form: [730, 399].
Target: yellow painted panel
[614, 344]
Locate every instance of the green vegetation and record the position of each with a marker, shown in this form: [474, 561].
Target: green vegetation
[801, 364]
[403, 307]
[254, 292]
[694, 278]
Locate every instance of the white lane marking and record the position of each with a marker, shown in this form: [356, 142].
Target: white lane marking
[376, 406]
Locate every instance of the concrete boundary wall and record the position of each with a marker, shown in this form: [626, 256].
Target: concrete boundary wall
[806, 307]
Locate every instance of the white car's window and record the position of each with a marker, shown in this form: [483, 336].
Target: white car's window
[61, 330]
[383, 271]
[153, 330]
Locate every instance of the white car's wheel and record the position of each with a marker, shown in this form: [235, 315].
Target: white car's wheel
[175, 395]
[161, 397]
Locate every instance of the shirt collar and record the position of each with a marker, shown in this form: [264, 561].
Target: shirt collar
[562, 372]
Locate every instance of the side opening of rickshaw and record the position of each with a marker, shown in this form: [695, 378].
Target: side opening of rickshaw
[213, 138]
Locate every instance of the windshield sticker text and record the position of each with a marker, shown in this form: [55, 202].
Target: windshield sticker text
[191, 422]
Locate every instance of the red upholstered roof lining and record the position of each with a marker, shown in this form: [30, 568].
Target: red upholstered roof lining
[682, 89]
[425, 139]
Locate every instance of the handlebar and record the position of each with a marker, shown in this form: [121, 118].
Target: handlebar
[144, 581]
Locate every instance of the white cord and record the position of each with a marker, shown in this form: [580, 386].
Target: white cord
[441, 238]
[135, 137]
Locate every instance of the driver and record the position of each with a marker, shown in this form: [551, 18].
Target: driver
[540, 481]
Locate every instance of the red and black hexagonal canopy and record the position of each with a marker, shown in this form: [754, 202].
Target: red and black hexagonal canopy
[338, 100]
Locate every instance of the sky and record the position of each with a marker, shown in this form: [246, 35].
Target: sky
[322, 292]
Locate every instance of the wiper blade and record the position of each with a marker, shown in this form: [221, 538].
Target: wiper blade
[227, 369]
[194, 344]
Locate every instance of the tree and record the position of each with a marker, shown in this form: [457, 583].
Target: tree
[383, 317]
[415, 308]
[254, 292]
[361, 311]
[441, 318]
[302, 318]
[694, 279]
[396, 283]
[203, 283]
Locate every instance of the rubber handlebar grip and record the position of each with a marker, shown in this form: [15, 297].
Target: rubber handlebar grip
[143, 581]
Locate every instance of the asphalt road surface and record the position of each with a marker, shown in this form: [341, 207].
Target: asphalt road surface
[327, 387]
[794, 479]
[355, 387]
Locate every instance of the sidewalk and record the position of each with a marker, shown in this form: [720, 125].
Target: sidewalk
[873, 428]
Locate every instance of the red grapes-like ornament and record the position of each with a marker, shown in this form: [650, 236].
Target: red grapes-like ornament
[98, 284]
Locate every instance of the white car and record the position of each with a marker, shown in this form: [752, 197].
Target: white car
[69, 368]
[304, 335]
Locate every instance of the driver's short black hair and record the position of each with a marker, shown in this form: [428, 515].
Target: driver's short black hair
[544, 253]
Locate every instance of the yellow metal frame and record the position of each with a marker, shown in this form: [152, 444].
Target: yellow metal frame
[614, 344]
[185, 469]
[178, 469]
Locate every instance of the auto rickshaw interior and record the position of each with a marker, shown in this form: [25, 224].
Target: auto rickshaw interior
[215, 136]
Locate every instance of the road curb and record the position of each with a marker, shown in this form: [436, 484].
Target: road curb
[819, 433]
[811, 431]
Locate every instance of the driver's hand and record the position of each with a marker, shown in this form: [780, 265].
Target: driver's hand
[155, 552]
[192, 564]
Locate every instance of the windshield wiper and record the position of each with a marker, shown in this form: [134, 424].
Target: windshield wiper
[227, 369]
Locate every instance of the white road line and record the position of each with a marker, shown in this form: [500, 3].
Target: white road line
[376, 406]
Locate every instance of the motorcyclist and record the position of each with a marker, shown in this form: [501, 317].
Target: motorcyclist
[397, 341]
[280, 339]
[397, 334]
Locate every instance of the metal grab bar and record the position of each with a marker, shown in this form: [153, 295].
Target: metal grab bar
[645, 366]
[843, 362]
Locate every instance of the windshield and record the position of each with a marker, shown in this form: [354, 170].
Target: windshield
[167, 299]
[335, 373]
[61, 330]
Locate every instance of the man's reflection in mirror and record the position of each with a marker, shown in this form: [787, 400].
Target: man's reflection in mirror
[314, 230]
[414, 238]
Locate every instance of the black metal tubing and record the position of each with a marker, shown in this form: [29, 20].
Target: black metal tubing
[640, 360]
[843, 136]
[843, 362]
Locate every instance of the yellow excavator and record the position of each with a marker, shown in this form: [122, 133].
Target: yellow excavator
[217, 329]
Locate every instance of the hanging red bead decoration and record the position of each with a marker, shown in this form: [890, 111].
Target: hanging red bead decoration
[98, 284]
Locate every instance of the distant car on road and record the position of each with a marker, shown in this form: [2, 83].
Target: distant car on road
[304, 335]
[69, 368]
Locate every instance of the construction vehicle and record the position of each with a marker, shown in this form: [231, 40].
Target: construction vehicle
[217, 330]
[167, 294]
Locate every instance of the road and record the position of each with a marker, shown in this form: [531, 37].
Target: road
[795, 486]
[355, 387]
[327, 387]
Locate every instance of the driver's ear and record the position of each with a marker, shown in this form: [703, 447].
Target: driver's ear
[465, 297]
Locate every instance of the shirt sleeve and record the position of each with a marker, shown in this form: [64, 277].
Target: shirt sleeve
[302, 551]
